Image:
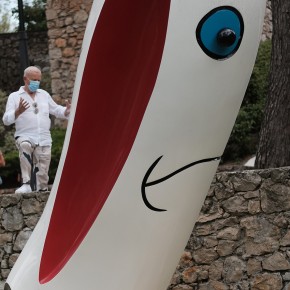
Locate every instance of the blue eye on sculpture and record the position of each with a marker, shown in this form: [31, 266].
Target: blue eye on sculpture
[220, 32]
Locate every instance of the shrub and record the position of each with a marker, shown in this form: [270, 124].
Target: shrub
[11, 172]
[57, 136]
[244, 137]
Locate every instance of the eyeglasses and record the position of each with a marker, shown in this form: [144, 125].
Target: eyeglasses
[34, 105]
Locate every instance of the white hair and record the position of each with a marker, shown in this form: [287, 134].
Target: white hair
[31, 69]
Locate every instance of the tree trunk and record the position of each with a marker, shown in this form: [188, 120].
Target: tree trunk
[274, 143]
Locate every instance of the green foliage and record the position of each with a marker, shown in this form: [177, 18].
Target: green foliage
[57, 135]
[34, 15]
[4, 17]
[10, 172]
[6, 133]
[4, 23]
[244, 138]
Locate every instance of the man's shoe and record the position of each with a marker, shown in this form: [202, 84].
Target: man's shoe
[25, 188]
[43, 190]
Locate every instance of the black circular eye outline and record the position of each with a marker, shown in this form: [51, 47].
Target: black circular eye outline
[204, 19]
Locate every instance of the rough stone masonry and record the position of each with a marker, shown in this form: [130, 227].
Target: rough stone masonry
[241, 240]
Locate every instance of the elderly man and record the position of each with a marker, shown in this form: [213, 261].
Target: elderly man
[29, 108]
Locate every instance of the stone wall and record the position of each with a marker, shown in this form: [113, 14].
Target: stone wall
[241, 240]
[66, 21]
[19, 215]
[11, 76]
[66, 25]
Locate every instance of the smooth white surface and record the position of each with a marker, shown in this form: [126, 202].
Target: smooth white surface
[189, 117]
[251, 162]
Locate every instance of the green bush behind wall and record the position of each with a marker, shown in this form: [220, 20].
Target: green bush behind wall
[245, 134]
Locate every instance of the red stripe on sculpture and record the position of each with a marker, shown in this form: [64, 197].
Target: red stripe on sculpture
[118, 80]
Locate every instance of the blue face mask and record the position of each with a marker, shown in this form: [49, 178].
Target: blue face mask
[33, 86]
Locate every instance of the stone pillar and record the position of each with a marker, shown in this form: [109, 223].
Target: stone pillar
[66, 21]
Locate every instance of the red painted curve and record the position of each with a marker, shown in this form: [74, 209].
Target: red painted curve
[119, 76]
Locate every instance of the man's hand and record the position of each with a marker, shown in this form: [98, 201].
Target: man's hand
[23, 106]
[67, 110]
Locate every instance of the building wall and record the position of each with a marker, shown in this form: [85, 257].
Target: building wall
[241, 240]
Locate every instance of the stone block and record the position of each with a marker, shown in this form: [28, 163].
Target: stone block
[276, 262]
[267, 281]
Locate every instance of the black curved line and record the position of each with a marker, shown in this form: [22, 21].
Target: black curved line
[181, 169]
[151, 168]
[144, 184]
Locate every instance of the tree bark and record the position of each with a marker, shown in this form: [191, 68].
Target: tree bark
[274, 143]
